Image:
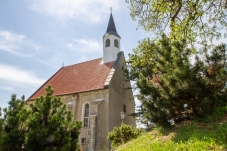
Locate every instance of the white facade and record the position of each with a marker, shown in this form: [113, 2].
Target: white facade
[110, 52]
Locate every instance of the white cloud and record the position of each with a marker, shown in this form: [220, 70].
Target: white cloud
[83, 58]
[13, 74]
[18, 44]
[6, 88]
[90, 11]
[86, 46]
[46, 63]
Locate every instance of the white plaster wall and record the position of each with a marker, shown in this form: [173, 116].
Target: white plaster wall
[110, 53]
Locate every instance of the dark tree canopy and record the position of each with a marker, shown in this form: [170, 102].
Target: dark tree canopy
[45, 124]
[1, 122]
[171, 87]
[14, 125]
[194, 20]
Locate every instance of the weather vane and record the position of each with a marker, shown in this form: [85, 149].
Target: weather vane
[111, 9]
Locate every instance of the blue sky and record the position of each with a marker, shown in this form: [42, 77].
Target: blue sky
[38, 36]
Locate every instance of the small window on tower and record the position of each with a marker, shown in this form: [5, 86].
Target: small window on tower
[107, 43]
[115, 43]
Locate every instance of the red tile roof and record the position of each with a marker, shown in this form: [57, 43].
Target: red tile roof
[86, 76]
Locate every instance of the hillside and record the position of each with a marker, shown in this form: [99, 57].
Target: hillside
[187, 136]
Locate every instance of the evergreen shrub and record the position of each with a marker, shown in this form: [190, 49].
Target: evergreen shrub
[123, 134]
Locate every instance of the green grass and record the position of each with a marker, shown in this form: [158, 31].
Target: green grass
[186, 137]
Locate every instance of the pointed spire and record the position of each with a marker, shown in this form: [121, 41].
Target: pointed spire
[111, 25]
[111, 29]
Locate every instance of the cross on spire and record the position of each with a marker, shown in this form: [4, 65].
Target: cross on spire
[111, 9]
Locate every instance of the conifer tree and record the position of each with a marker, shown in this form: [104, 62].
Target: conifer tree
[51, 126]
[171, 87]
[1, 124]
[45, 124]
[14, 129]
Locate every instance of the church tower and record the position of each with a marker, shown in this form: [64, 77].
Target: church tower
[111, 42]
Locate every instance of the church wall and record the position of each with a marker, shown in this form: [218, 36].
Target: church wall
[119, 97]
[99, 108]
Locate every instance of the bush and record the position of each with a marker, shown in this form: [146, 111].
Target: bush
[123, 134]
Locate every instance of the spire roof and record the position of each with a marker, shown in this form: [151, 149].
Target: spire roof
[111, 29]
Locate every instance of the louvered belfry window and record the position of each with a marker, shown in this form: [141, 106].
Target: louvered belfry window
[115, 43]
[86, 115]
[107, 43]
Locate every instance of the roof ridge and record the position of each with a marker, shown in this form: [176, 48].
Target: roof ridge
[117, 60]
[82, 62]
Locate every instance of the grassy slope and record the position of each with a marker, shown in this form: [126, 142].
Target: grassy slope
[188, 136]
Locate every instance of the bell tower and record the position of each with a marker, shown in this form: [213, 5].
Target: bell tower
[111, 42]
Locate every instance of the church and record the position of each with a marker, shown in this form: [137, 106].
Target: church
[96, 92]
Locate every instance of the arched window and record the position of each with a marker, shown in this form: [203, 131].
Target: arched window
[115, 43]
[107, 43]
[86, 115]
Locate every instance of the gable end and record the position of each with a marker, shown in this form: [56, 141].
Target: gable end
[113, 70]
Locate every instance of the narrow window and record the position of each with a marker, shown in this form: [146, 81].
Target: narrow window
[83, 140]
[124, 108]
[115, 43]
[86, 115]
[107, 43]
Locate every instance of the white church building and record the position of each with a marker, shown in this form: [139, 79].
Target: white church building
[96, 92]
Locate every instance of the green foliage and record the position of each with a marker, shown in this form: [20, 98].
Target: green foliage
[1, 123]
[51, 126]
[214, 133]
[123, 134]
[14, 128]
[194, 20]
[167, 80]
[217, 114]
[44, 125]
[186, 137]
[104, 149]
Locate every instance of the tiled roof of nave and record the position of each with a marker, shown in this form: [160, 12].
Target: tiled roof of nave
[85, 76]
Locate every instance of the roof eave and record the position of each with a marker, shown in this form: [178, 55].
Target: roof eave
[76, 92]
[43, 84]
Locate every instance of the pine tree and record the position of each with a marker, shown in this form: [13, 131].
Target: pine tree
[171, 87]
[1, 124]
[213, 77]
[51, 126]
[45, 124]
[14, 130]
